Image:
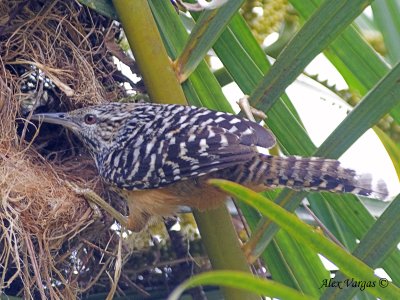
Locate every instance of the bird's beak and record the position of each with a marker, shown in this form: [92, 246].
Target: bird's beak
[55, 118]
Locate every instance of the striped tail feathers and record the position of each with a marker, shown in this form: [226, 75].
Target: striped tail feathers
[315, 174]
[378, 190]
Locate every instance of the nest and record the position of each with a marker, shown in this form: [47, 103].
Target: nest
[55, 56]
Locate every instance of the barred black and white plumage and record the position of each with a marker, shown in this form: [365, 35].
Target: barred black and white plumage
[302, 173]
[161, 144]
[159, 157]
[139, 146]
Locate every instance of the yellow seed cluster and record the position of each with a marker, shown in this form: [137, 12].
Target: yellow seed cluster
[375, 39]
[391, 127]
[264, 16]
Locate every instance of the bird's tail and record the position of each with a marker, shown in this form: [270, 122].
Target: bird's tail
[316, 174]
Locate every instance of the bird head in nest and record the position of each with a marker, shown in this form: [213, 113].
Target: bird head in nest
[99, 127]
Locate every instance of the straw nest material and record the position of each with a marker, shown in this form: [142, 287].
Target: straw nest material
[57, 56]
[54, 56]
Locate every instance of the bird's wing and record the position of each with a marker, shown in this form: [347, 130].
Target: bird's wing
[182, 153]
[250, 133]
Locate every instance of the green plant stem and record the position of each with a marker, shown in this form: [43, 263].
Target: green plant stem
[216, 228]
[227, 254]
[149, 51]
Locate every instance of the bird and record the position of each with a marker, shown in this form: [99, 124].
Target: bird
[160, 156]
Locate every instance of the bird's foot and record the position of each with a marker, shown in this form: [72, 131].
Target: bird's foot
[250, 111]
[96, 202]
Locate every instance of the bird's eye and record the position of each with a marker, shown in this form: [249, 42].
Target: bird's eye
[90, 119]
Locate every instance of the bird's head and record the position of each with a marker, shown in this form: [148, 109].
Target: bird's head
[97, 126]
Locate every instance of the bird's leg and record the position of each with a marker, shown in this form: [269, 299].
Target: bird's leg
[250, 111]
[95, 201]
